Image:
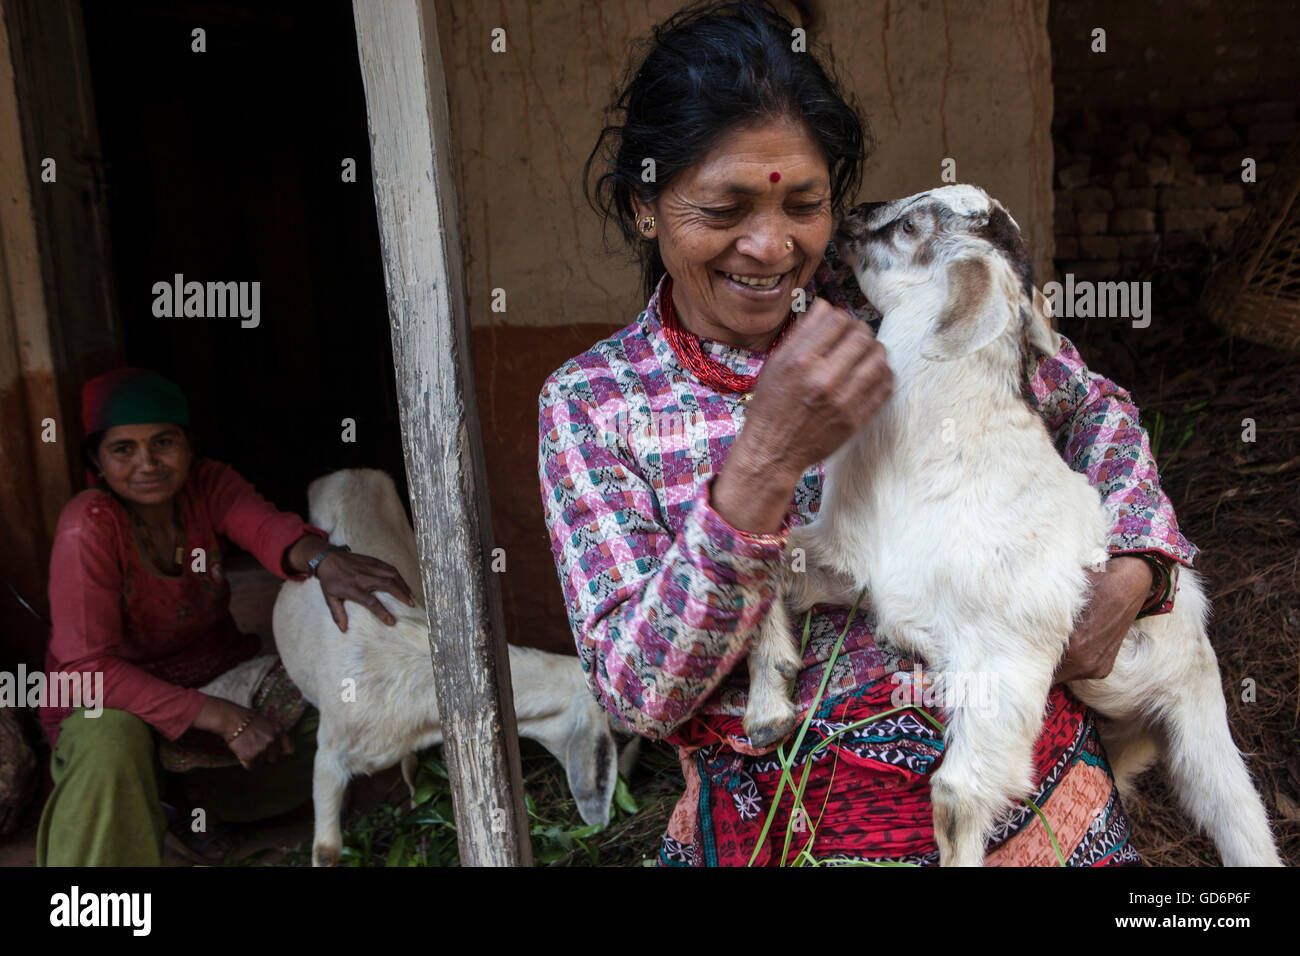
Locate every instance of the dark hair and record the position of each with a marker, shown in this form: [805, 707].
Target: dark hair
[90, 450]
[712, 68]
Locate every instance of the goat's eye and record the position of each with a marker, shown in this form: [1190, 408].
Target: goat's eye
[909, 226]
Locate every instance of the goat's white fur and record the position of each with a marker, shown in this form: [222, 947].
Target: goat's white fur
[395, 710]
[973, 551]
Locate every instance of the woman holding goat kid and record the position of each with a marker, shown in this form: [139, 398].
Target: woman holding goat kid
[672, 472]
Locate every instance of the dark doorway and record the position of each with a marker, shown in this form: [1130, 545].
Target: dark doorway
[227, 166]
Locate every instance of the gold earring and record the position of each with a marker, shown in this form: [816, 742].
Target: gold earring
[647, 224]
[789, 244]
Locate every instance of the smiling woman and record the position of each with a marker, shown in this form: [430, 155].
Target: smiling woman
[741, 229]
[138, 595]
[668, 541]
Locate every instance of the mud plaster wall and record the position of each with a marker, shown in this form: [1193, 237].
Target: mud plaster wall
[961, 79]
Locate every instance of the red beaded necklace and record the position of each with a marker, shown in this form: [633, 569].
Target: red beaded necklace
[686, 346]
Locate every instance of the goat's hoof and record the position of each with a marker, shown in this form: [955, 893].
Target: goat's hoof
[772, 731]
[322, 855]
[788, 670]
[952, 858]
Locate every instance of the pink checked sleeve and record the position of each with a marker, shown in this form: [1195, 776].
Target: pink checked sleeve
[1095, 426]
[659, 618]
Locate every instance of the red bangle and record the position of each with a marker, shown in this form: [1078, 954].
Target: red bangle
[1160, 579]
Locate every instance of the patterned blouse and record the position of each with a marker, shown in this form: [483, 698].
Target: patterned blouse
[664, 597]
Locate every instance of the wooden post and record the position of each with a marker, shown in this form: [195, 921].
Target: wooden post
[415, 194]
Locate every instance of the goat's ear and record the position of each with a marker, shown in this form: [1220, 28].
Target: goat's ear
[973, 315]
[1041, 334]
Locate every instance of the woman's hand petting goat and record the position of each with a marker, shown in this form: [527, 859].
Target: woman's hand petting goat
[345, 576]
[825, 382]
[1118, 593]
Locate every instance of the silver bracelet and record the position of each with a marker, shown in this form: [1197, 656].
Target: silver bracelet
[314, 563]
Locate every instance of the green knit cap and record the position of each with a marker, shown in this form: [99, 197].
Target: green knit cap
[132, 396]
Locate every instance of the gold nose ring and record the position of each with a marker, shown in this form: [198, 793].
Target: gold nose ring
[789, 244]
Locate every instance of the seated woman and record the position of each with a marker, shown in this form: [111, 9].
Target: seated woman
[137, 594]
[669, 493]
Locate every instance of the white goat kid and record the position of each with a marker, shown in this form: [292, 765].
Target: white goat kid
[374, 685]
[973, 537]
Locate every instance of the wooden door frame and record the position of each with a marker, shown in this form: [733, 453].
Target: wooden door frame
[59, 320]
[60, 325]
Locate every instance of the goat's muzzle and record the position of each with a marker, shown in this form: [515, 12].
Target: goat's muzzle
[851, 233]
[853, 227]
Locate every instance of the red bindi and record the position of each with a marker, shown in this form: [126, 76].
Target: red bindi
[775, 177]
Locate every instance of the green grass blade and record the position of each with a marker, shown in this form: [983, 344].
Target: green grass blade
[1060, 857]
[803, 730]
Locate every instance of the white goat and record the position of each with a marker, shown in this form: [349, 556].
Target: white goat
[973, 537]
[374, 685]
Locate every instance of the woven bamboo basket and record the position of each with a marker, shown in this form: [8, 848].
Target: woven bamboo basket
[1255, 291]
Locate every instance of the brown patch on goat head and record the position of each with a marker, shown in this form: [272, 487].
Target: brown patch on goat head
[969, 283]
[925, 253]
[1001, 233]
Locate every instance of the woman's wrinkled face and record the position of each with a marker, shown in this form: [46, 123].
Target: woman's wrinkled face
[145, 464]
[729, 217]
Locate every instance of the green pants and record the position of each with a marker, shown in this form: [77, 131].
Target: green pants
[106, 809]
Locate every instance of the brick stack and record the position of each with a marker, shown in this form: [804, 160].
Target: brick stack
[1138, 183]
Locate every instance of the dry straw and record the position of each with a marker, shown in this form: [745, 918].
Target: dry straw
[1255, 292]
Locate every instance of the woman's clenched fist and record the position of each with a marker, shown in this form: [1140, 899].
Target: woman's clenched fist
[822, 384]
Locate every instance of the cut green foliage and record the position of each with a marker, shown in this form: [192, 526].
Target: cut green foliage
[394, 835]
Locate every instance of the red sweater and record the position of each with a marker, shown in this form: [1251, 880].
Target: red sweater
[155, 637]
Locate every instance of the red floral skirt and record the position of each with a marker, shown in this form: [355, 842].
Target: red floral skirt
[868, 793]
